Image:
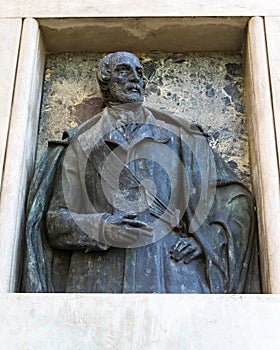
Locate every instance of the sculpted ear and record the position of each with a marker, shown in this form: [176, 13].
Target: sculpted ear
[104, 72]
[103, 76]
[145, 81]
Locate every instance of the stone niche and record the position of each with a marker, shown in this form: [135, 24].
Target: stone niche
[199, 68]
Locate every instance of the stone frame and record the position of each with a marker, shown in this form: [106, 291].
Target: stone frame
[57, 35]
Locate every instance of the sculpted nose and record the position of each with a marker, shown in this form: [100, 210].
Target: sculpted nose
[134, 77]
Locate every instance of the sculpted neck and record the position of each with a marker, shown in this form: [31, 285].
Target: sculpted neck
[127, 112]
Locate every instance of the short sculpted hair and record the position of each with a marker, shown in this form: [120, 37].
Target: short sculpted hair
[104, 71]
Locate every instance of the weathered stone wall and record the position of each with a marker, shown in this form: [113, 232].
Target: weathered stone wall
[206, 88]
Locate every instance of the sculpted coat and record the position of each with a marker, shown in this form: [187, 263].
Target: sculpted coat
[226, 237]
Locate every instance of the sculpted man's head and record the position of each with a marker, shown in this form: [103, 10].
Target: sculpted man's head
[120, 76]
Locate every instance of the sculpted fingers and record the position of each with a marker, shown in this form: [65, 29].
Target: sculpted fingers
[193, 255]
[185, 249]
[176, 246]
[118, 235]
[123, 234]
[180, 245]
[137, 223]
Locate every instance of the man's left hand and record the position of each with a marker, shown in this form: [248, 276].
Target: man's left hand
[185, 249]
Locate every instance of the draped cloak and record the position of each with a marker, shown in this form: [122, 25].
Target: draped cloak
[215, 209]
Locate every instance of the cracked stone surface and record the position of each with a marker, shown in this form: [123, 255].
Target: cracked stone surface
[206, 88]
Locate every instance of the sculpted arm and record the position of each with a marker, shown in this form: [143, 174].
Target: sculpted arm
[64, 228]
[80, 228]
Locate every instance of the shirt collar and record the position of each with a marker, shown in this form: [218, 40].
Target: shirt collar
[106, 129]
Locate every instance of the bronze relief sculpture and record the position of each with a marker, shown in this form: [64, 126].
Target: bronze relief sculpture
[135, 201]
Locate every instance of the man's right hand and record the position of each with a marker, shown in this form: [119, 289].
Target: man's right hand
[122, 231]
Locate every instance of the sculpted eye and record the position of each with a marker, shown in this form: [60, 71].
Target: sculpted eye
[122, 69]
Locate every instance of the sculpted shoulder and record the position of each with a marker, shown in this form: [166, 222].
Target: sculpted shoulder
[74, 133]
[179, 122]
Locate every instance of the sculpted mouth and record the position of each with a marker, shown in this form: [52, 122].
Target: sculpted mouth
[133, 89]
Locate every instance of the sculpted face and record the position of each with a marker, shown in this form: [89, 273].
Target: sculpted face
[126, 83]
